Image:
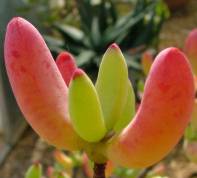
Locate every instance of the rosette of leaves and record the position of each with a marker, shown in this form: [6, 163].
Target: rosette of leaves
[82, 116]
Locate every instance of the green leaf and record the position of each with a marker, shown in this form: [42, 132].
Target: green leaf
[85, 109]
[72, 32]
[35, 171]
[191, 133]
[95, 33]
[128, 110]
[52, 41]
[120, 30]
[112, 85]
[84, 58]
[126, 172]
[107, 15]
[73, 36]
[86, 12]
[132, 62]
[55, 44]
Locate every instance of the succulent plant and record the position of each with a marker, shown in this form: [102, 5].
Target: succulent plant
[190, 49]
[34, 171]
[190, 145]
[82, 115]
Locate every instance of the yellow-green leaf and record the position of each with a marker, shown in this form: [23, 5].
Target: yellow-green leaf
[85, 109]
[112, 84]
[35, 171]
[128, 111]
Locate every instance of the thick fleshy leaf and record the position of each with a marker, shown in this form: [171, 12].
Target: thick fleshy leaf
[66, 65]
[37, 84]
[191, 49]
[85, 109]
[35, 171]
[64, 160]
[163, 114]
[112, 85]
[127, 112]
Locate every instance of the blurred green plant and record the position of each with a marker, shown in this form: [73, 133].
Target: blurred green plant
[101, 25]
[34, 171]
[126, 173]
[191, 133]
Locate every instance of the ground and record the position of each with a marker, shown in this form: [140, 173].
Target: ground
[178, 26]
[28, 150]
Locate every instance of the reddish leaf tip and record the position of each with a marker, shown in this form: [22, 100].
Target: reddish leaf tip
[78, 72]
[193, 32]
[65, 56]
[66, 64]
[15, 21]
[172, 51]
[114, 46]
[36, 163]
[191, 42]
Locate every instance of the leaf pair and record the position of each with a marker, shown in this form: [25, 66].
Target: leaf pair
[109, 106]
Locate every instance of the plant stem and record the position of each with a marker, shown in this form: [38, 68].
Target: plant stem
[99, 170]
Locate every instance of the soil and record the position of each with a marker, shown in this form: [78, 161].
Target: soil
[176, 29]
[30, 148]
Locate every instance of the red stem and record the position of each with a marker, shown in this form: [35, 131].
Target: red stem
[99, 170]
